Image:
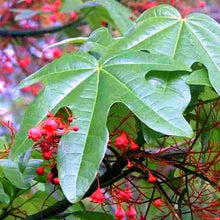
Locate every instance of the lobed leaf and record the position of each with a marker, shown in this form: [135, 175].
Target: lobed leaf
[89, 88]
[189, 40]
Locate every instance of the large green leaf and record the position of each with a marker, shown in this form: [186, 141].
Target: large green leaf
[89, 88]
[191, 39]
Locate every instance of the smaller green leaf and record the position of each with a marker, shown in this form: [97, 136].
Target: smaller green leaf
[150, 136]
[199, 77]
[24, 158]
[118, 113]
[4, 198]
[8, 187]
[13, 174]
[99, 41]
[75, 40]
[110, 11]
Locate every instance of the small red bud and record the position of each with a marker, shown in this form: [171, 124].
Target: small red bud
[70, 119]
[73, 15]
[61, 127]
[28, 2]
[133, 146]
[129, 165]
[23, 63]
[75, 128]
[40, 171]
[104, 23]
[202, 4]
[119, 213]
[157, 202]
[47, 155]
[131, 213]
[56, 181]
[49, 114]
[151, 178]
[57, 53]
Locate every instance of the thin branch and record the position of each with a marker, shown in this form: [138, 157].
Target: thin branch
[30, 33]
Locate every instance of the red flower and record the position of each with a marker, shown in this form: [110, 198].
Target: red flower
[131, 213]
[73, 15]
[35, 134]
[97, 196]
[50, 126]
[119, 213]
[133, 146]
[125, 195]
[24, 62]
[121, 142]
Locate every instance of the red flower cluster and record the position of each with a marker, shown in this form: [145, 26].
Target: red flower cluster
[124, 143]
[47, 137]
[98, 197]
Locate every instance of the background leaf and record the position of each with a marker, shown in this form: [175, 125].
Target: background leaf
[110, 11]
[71, 5]
[199, 77]
[189, 40]
[4, 198]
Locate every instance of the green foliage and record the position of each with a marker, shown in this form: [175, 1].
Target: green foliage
[146, 72]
